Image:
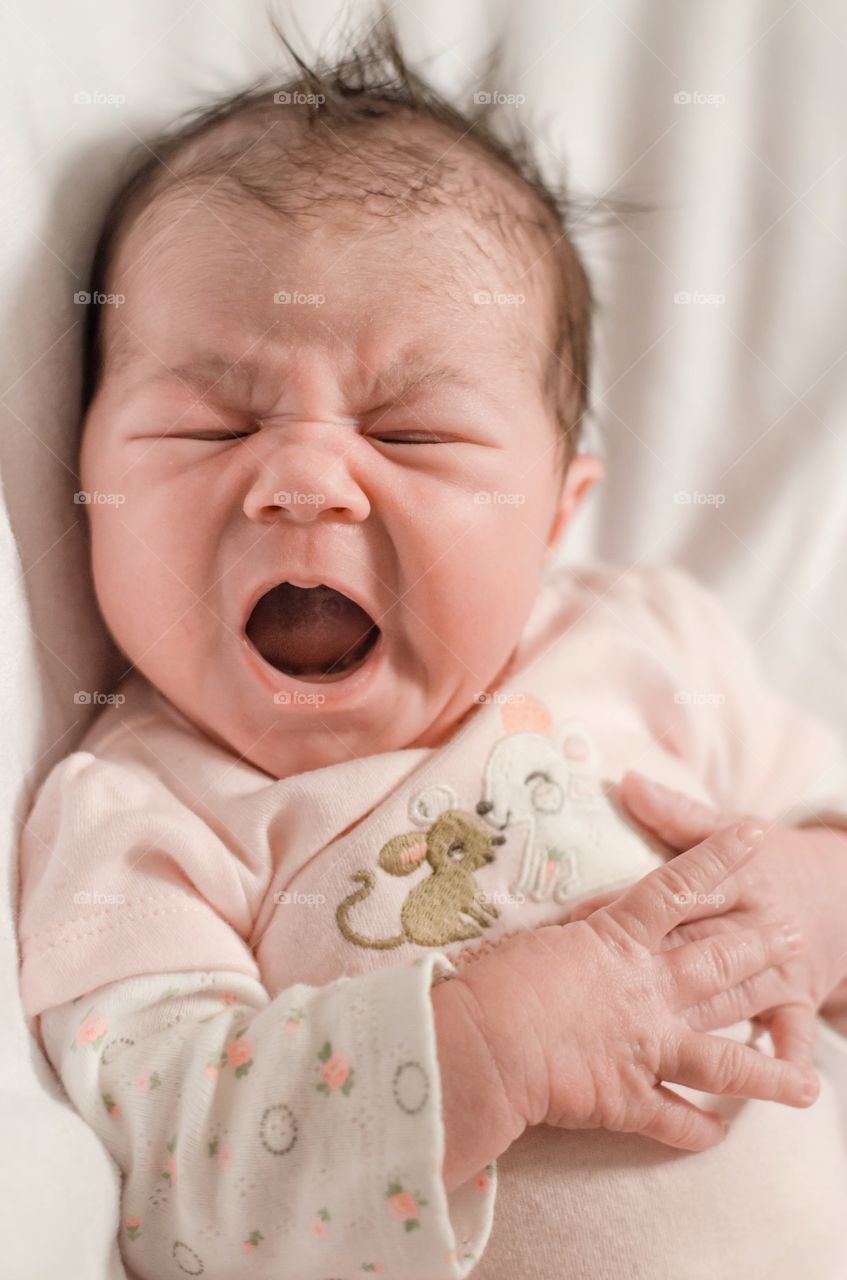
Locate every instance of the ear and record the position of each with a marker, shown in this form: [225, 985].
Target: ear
[584, 471]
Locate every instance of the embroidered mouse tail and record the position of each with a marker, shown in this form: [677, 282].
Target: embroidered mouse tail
[366, 880]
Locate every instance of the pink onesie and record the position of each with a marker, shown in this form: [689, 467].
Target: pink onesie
[232, 970]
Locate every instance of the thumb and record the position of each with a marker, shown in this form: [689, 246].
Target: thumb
[677, 819]
[585, 908]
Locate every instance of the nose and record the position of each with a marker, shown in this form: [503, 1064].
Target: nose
[303, 473]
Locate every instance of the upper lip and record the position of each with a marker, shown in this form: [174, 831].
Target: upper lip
[361, 598]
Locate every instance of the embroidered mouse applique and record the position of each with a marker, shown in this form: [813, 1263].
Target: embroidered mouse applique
[455, 844]
[576, 841]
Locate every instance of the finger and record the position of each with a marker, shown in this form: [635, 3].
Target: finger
[649, 909]
[716, 1064]
[697, 927]
[764, 991]
[677, 819]
[586, 907]
[794, 1031]
[703, 969]
[678, 1123]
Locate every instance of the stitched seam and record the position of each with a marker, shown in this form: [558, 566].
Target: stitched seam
[101, 929]
[50, 931]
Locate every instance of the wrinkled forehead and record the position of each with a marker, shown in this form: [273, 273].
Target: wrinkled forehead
[201, 260]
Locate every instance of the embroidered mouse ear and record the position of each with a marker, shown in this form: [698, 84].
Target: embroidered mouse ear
[426, 806]
[526, 716]
[579, 748]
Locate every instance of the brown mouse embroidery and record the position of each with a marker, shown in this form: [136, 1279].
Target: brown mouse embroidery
[455, 845]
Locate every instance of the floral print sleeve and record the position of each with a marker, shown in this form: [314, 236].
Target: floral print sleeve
[299, 1136]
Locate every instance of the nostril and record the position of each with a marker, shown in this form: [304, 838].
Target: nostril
[498, 839]
[485, 806]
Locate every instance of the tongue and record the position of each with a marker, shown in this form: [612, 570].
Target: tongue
[310, 630]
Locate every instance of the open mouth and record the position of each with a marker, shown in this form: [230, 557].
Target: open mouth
[311, 633]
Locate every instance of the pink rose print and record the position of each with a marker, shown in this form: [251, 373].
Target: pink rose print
[92, 1030]
[336, 1072]
[251, 1244]
[148, 1080]
[170, 1164]
[110, 1105]
[295, 1017]
[133, 1227]
[238, 1054]
[405, 1205]
[373, 1266]
[212, 1070]
[222, 1153]
[228, 997]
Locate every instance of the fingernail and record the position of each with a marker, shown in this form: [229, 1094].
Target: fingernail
[810, 1089]
[749, 833]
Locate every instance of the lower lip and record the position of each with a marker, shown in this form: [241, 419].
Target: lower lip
[335, 694]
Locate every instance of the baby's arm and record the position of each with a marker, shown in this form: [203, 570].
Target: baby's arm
[305, 1129]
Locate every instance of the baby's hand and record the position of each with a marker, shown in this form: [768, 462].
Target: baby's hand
[584, 1021]
[799, 876]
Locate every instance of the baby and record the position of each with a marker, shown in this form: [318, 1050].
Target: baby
[295, 914]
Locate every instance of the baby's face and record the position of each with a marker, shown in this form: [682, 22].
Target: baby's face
[382, 432]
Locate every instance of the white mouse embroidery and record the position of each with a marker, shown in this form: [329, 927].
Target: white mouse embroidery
[576, 843]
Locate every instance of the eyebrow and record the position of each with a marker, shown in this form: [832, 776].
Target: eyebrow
[400, 377]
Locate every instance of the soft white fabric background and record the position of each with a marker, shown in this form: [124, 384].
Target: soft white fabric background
[745, 400]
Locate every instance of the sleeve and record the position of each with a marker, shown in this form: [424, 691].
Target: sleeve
[119, 878]
[302, 1133]
[754, 749]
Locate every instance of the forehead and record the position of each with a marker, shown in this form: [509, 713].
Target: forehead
[416, 288]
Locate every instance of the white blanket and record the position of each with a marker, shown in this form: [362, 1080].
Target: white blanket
[720, 390]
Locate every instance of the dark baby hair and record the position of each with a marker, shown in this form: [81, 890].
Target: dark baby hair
[371, 96]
